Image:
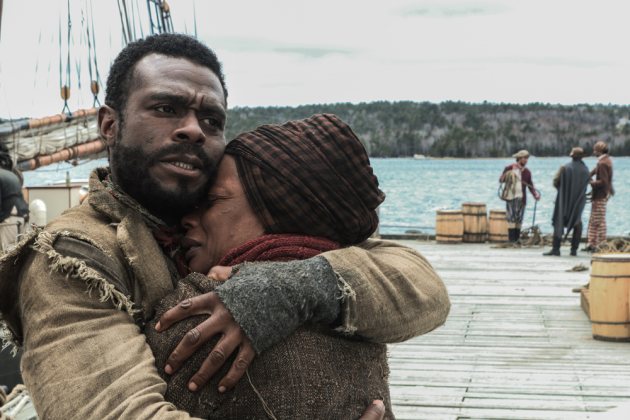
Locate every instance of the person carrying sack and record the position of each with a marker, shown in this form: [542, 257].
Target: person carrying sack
[516, 178]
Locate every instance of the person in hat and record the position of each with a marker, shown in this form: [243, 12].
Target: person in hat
[282, 192]
[517, 178]
[602, 190]
[571, 181]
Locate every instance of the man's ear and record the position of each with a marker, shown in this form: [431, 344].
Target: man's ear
[108, 124]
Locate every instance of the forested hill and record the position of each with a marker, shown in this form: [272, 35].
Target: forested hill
[458, 129]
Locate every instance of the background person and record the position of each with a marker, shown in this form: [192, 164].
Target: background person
[517, 178]
[283, 192]
[13, 207]
[571, 181]
[84, 354]
[602, 190]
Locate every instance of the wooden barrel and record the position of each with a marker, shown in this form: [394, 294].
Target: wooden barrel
[610, 297]
[449, 226]
[475, 222]
[498, 226]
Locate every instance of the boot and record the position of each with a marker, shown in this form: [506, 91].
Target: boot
[511, 235]
[575, 239]
[517, 234]
[555, 248]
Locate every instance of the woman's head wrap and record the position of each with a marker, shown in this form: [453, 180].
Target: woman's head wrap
[310, 176]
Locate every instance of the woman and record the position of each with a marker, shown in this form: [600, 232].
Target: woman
[282, 192]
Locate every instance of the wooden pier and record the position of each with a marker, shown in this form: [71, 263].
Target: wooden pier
[516, 344]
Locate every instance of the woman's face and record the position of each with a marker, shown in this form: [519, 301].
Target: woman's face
[226, 222]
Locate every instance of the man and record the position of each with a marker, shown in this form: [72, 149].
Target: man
[517, 178]
[13, 208]
[571, 181]
[602, 189]
[84, 354]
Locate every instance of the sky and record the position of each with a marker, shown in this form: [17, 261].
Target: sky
[291, 52]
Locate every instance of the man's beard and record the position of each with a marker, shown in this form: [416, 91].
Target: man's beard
[130, 168]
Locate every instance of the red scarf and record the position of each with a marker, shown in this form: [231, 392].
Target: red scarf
[278, 247]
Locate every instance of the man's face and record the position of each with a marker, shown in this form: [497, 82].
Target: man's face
[166, 152]
[523, 161]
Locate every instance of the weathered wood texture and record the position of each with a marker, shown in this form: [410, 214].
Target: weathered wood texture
[516, 344]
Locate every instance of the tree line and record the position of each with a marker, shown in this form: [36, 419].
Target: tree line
[460, 129]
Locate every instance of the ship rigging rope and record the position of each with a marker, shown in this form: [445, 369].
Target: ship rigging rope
[65, 89]
[91, 42]
[122, 22]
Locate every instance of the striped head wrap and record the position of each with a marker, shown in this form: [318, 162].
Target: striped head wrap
[310, 176]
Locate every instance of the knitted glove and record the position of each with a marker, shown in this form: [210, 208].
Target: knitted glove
[270, 300]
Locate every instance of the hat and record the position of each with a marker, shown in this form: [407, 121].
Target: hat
[521, 154]
[577, 152]
[310, 176]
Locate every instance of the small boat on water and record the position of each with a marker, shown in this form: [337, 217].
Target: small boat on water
[418, 156]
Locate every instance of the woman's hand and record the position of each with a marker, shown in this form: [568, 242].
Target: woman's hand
[220, 322]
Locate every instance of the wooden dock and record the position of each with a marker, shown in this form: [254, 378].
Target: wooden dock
[516, 345]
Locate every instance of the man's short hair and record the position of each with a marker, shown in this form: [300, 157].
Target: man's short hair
[171, 45]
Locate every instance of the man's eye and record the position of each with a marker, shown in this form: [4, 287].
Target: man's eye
[212, 122]
[165, 108]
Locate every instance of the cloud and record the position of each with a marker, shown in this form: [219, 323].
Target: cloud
[314, 52]
[547, 61]
[267, 46]
[453, 10]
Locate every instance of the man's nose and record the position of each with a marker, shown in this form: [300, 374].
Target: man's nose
[189, 130]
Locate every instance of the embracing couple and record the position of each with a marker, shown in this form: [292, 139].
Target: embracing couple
[286, 302]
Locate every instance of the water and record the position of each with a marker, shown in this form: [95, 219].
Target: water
[416, 189]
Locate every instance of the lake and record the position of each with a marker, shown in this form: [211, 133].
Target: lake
[416, 189]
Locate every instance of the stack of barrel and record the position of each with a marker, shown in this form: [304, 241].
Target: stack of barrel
[470, 225]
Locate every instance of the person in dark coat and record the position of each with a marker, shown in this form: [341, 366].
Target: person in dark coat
[13, 207]
[571, 181]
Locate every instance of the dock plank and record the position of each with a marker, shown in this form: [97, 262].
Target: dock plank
[516, 345]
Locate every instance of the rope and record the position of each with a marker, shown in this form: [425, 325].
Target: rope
[613, 246]
[122, 23]
[260, 397]
[93, 79]
[65, 89]
[135, 4]
[98, 75]
[195, 17]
